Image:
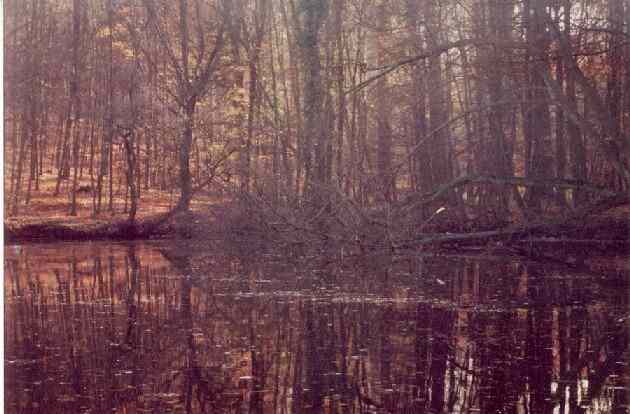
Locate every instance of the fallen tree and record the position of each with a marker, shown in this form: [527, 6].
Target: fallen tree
[340, 220]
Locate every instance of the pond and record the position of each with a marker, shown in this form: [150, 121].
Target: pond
[150, 327]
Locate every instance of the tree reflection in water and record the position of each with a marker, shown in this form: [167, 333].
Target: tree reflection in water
[149, 328]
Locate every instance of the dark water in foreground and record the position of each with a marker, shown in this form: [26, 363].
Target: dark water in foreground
[140, 328]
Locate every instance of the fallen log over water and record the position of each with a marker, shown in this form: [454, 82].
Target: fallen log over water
[541, 239]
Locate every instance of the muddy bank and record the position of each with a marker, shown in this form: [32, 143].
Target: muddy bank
[166, 225]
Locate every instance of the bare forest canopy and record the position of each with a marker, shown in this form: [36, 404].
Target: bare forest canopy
[405, 115]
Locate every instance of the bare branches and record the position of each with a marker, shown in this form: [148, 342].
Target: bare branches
[201, 84]
[432, 53]
[411, 204]
[164, 40]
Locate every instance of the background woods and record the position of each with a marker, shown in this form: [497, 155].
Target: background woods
[496, 110]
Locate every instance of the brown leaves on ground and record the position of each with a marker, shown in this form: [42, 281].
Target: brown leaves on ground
[46, 208]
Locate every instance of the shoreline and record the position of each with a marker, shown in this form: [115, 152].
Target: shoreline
[161, 225]
[601, 234]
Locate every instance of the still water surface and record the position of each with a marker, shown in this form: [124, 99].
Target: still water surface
[143, 328]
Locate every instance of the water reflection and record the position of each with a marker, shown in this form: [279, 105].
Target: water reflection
[150, 328]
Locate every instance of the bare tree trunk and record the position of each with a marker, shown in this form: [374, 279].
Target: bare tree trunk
[421, 162]
[147, 162]
[190, 100]
[18, 175]
[45, 144]
[34, 138]
[92, 145]
[614, 81]
[185, 179]
[259, 19]
[296, 92]
[341, 96]
[64, 162]
[576, 143]
[626, 85]
[138, 173]
[30, 128]
[314, 137]
[383, 115]
[11, 90]
[13, 144]
[441, 169]
[75, 99]
[287, 127]
[246, 154]
[110, 158]
[537, 127]
[561, 150]
[128, 141]
[500, 156]
[282, 130]
[364, 163]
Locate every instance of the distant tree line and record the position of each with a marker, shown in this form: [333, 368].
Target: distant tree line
[311, 104]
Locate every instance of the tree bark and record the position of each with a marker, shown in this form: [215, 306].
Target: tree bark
[341, 96]
[75, 99]
[536, 106]
[128, 141]
[441, 169]
[314, 137]
[383, 112]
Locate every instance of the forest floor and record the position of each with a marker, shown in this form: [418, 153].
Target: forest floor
[47, 218]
